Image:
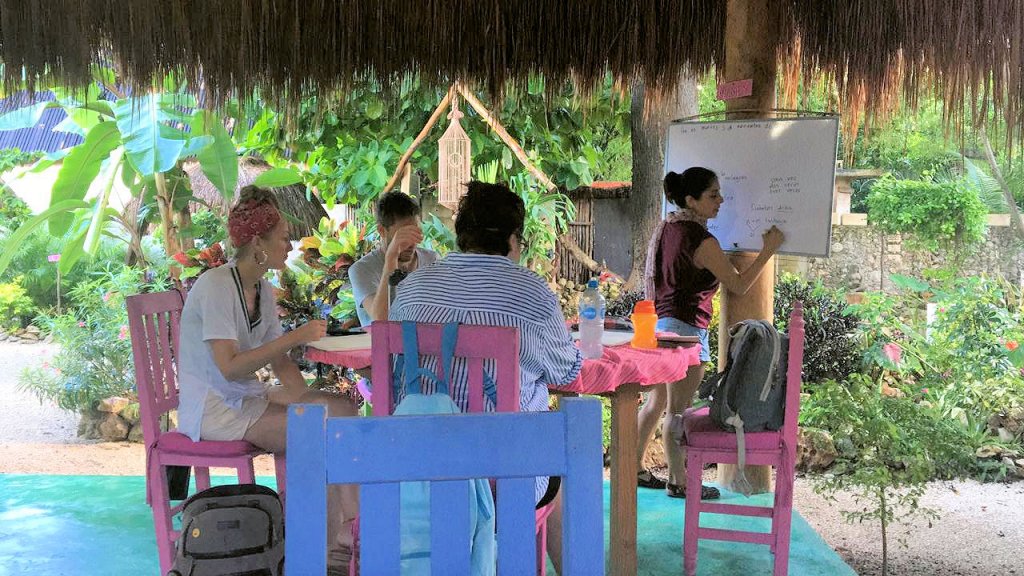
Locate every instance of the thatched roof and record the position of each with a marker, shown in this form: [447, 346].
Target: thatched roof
[874, 48]
[292, 199]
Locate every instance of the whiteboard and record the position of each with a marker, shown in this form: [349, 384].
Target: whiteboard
[772, 172]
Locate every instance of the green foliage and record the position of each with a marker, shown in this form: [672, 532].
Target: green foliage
[318, 285]
[13, 210]
[95, 359]
[830, 349]
[352, 144]
[548, 214]
[208, 228]
[888, 449]
[935, 213]
[911, 145]
[16, 308]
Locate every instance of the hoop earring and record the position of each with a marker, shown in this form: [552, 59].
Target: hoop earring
[264, 260]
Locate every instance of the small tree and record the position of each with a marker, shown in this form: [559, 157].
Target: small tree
[889, 449]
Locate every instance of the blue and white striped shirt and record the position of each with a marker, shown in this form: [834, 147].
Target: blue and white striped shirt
[490, 290]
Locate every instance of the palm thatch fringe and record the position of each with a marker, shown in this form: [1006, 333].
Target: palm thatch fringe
[960, 49]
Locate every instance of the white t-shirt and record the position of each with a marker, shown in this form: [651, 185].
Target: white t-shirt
[215, 310]
[365, 277]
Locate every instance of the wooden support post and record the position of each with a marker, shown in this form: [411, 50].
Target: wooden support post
[750, 40]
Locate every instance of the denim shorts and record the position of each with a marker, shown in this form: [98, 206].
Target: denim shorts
[684, 329]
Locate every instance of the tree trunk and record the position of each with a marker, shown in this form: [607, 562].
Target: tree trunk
[165, 204]
[648, 125]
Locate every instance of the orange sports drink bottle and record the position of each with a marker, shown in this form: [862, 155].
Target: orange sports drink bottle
[644, 319]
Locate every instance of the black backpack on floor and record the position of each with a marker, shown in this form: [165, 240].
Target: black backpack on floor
[231, 530]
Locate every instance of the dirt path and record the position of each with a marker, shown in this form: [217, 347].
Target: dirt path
[980, 533]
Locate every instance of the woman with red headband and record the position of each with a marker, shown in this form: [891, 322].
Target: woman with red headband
[230, 329]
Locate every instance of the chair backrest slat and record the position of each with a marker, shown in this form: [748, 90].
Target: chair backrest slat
[380, 554]
[449, 514]
[517, 526]
[379, 452]
[154, 323]
[476, 344]
[794, 375]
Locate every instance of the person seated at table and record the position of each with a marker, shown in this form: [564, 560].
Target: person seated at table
[372, 276]
[484, 284]
[685, 267]
[230, 329]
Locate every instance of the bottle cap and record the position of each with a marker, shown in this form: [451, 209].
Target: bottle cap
[592, 283]
[644, 307]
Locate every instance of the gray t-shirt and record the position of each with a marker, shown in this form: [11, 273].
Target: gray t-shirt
[365, 277]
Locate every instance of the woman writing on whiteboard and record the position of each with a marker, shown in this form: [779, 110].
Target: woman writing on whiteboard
[685, 267]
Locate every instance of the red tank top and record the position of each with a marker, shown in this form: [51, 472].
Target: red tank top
[681, 289]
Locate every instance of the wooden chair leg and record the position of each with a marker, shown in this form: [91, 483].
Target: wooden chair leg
[542, 547]
[162, 521]
[691, 525]
[202, 478]
[280, 471]
[246, 473]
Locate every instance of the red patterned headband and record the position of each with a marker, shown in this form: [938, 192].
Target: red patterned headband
[250, 220]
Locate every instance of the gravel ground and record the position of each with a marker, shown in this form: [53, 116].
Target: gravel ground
[980, 532]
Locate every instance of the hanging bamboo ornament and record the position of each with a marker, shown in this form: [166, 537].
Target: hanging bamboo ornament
[454, 161]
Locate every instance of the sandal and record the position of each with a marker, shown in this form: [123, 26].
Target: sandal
[647, 479]
[706, 492]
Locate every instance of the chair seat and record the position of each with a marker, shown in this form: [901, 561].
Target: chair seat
[178, 443]
[702, 432]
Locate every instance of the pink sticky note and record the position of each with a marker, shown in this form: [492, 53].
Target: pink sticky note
[737, 89]
[53, 258]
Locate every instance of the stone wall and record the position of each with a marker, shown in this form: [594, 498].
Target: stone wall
[863, 258]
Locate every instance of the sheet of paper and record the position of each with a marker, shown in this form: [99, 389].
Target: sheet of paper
[611, 337]
[339, 343]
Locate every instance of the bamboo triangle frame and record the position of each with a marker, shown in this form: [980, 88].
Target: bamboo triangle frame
[492, 121]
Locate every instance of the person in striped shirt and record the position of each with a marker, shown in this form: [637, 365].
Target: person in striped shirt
[483, 284]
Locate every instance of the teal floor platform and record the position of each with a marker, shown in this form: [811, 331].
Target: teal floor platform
[74, 525]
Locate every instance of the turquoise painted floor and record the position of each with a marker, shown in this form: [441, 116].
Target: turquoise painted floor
[74, 525]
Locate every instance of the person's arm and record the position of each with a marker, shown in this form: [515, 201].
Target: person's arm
[405, 238]
[709, 255]
[289, 375]
[235, 365]
[562, 359]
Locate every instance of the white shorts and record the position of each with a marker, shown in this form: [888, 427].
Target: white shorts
[222, 422]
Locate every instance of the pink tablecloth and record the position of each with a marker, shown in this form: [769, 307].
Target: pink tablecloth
[619, 365]
[625, 364]
[348, 358]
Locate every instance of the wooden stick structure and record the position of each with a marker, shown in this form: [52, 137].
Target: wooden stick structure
[404, 160]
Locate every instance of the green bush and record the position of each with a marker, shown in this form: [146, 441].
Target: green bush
[16, 308]
[95, 358]
[934, 213]
[830, 349]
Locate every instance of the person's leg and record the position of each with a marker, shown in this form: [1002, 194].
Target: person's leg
[554, 524]
[650, 413]
[680, 397]
[269, 433]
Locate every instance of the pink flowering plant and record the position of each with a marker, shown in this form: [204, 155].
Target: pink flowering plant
[95, 358]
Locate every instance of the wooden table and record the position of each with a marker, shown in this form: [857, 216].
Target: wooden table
[620, 375]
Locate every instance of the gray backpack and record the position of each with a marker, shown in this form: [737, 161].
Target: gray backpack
[750, 394]
[231, 530]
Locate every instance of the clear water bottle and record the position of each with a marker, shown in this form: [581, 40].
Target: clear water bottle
[591, 321]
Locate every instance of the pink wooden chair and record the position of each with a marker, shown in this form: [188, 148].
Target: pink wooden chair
[476, 344]
[153, 320]
[706, 442]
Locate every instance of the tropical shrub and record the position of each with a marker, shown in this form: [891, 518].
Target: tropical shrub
[888, 449]
[830, 349]
[95, 358]
[934, 213]
[16, 308]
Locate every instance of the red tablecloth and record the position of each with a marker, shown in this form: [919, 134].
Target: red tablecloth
[625, 364]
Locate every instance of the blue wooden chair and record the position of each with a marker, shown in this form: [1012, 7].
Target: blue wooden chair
[380, 452]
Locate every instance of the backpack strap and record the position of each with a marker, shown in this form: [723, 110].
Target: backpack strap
[769, 381]
[411, 376]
